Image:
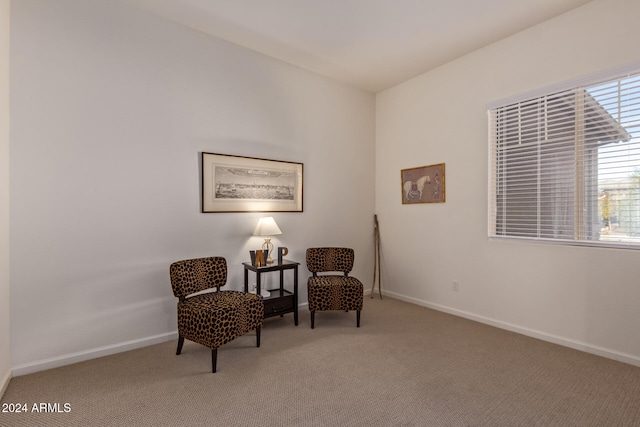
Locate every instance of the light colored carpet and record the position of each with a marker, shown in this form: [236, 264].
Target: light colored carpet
[405, 366]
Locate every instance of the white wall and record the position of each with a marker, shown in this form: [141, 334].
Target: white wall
[582, 297]
[110, 110]
[5, 329]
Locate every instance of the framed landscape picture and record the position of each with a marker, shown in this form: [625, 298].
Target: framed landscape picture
[247, 184]
[424, 184]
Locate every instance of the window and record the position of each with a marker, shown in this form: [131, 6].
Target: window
[566, 166]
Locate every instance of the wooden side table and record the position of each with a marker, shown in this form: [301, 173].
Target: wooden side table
[281, 301]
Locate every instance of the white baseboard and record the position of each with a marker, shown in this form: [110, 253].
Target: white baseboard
[4, 382]
[68, 359]
[563, 341]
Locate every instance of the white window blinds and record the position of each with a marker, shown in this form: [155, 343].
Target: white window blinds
[566, 166]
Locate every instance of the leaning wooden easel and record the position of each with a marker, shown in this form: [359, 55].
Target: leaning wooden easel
[376, 258]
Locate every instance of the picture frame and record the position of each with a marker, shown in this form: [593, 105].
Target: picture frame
[247, 184]
[423, 184]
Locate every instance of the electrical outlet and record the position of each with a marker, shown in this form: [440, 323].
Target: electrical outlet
[455, 286]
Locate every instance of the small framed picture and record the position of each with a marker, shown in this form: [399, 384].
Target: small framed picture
[424, 184]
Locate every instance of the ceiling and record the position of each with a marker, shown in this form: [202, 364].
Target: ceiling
[369, 44]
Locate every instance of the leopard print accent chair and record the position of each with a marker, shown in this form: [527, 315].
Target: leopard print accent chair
[333, 292]
[213, 318]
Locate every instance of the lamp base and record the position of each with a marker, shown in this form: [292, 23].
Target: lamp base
[268, 246]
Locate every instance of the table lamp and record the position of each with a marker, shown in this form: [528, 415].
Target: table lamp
[266, 228]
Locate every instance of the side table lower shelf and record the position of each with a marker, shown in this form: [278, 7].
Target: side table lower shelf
[279, 303]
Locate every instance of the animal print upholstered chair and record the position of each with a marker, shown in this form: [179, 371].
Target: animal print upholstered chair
[212, 318]
[332, 291]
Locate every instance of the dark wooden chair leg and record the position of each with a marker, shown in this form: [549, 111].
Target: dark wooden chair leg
[258, 336]
[214, 359]
[358, 318]
[313, 318]
[180, 343]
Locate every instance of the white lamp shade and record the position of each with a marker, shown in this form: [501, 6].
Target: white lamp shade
[267, 227]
